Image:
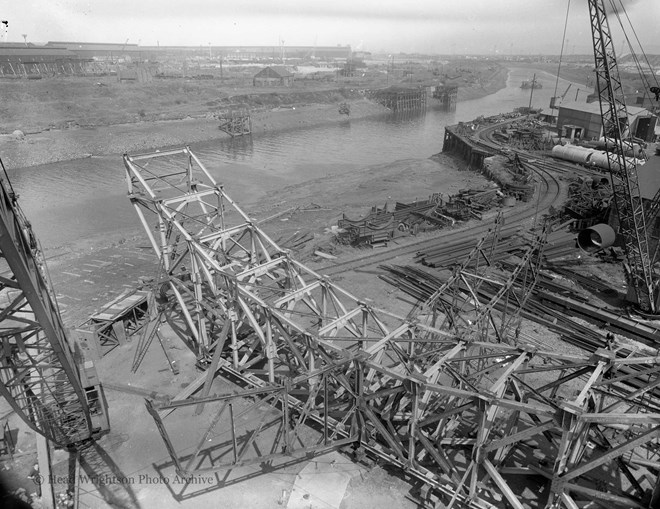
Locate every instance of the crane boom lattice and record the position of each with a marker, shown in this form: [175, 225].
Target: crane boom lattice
[625, 183]
[39, 378]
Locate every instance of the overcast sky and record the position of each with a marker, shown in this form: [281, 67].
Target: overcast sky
[427, 26]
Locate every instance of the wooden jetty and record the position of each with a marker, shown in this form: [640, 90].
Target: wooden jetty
[456, 141]
[235, 122]
[447, 95]
[401, 99]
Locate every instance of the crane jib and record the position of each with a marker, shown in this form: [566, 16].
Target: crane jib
[625, 184]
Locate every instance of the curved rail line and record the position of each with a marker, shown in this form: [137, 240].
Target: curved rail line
[550, 190]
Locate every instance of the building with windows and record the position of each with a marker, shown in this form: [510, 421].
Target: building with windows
[585, 119]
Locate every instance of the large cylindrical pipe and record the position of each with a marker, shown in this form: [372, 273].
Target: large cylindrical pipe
[572, 153]
[596, 237]
[629, 149]
[601, 160]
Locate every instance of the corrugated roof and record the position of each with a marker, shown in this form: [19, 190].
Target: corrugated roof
[92, 45]
[35, 52]
[16, 45]
[594, 107]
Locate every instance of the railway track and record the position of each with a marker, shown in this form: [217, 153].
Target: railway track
[550, 194]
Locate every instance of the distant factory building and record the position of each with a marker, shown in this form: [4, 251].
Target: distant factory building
[135, 52]
[28, 60]
[273, 76]
[585, 119]
[99, 50]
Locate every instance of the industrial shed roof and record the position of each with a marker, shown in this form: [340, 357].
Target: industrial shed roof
[8, 53]
[93, 46]
[594, 108]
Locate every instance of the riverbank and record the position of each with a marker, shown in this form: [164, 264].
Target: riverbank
[76, 143]
[271, 112]
[492, 81]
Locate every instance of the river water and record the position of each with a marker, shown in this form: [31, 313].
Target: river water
[86, 198]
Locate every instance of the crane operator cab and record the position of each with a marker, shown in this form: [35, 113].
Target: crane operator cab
[98, 405]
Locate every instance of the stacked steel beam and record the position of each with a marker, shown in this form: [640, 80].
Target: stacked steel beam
[445, 255]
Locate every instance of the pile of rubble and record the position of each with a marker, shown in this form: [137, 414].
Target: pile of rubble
[524, 134]
[588, 203]
[467, 127]
[381, 225]
[511, 175]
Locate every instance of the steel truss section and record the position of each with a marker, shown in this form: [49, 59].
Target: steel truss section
[117, 321]
[459, 304]
[235, 122]
[462, 409]
[38, 376]
[625, 181]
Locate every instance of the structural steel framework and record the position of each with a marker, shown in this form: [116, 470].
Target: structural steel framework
[460, 404]
[458, 299]
[235, 122]
[38, 377]
[625, 182]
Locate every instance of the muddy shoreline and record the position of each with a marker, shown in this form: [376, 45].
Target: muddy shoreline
[53, 146]
[50, 146]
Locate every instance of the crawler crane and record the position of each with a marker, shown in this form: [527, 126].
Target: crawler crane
[641, 278]
[56, 397]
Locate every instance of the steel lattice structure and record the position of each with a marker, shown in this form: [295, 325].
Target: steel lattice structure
[38, 376]
[625, 183]
[459, 404]
[462, 309]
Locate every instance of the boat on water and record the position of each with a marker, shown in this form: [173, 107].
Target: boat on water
[526, 84]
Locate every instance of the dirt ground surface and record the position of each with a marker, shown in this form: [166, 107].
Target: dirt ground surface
[94, 272]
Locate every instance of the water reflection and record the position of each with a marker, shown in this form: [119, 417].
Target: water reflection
[240, 148]
[406, 118]
[79, 199]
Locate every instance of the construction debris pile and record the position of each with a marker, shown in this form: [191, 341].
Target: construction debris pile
[464, 128]
[511, 175]
[525, 134]
[381, 225]
[588, 202]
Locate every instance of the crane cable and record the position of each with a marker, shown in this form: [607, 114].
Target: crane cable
[646, 58]
[561, 54]
[646, 85]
